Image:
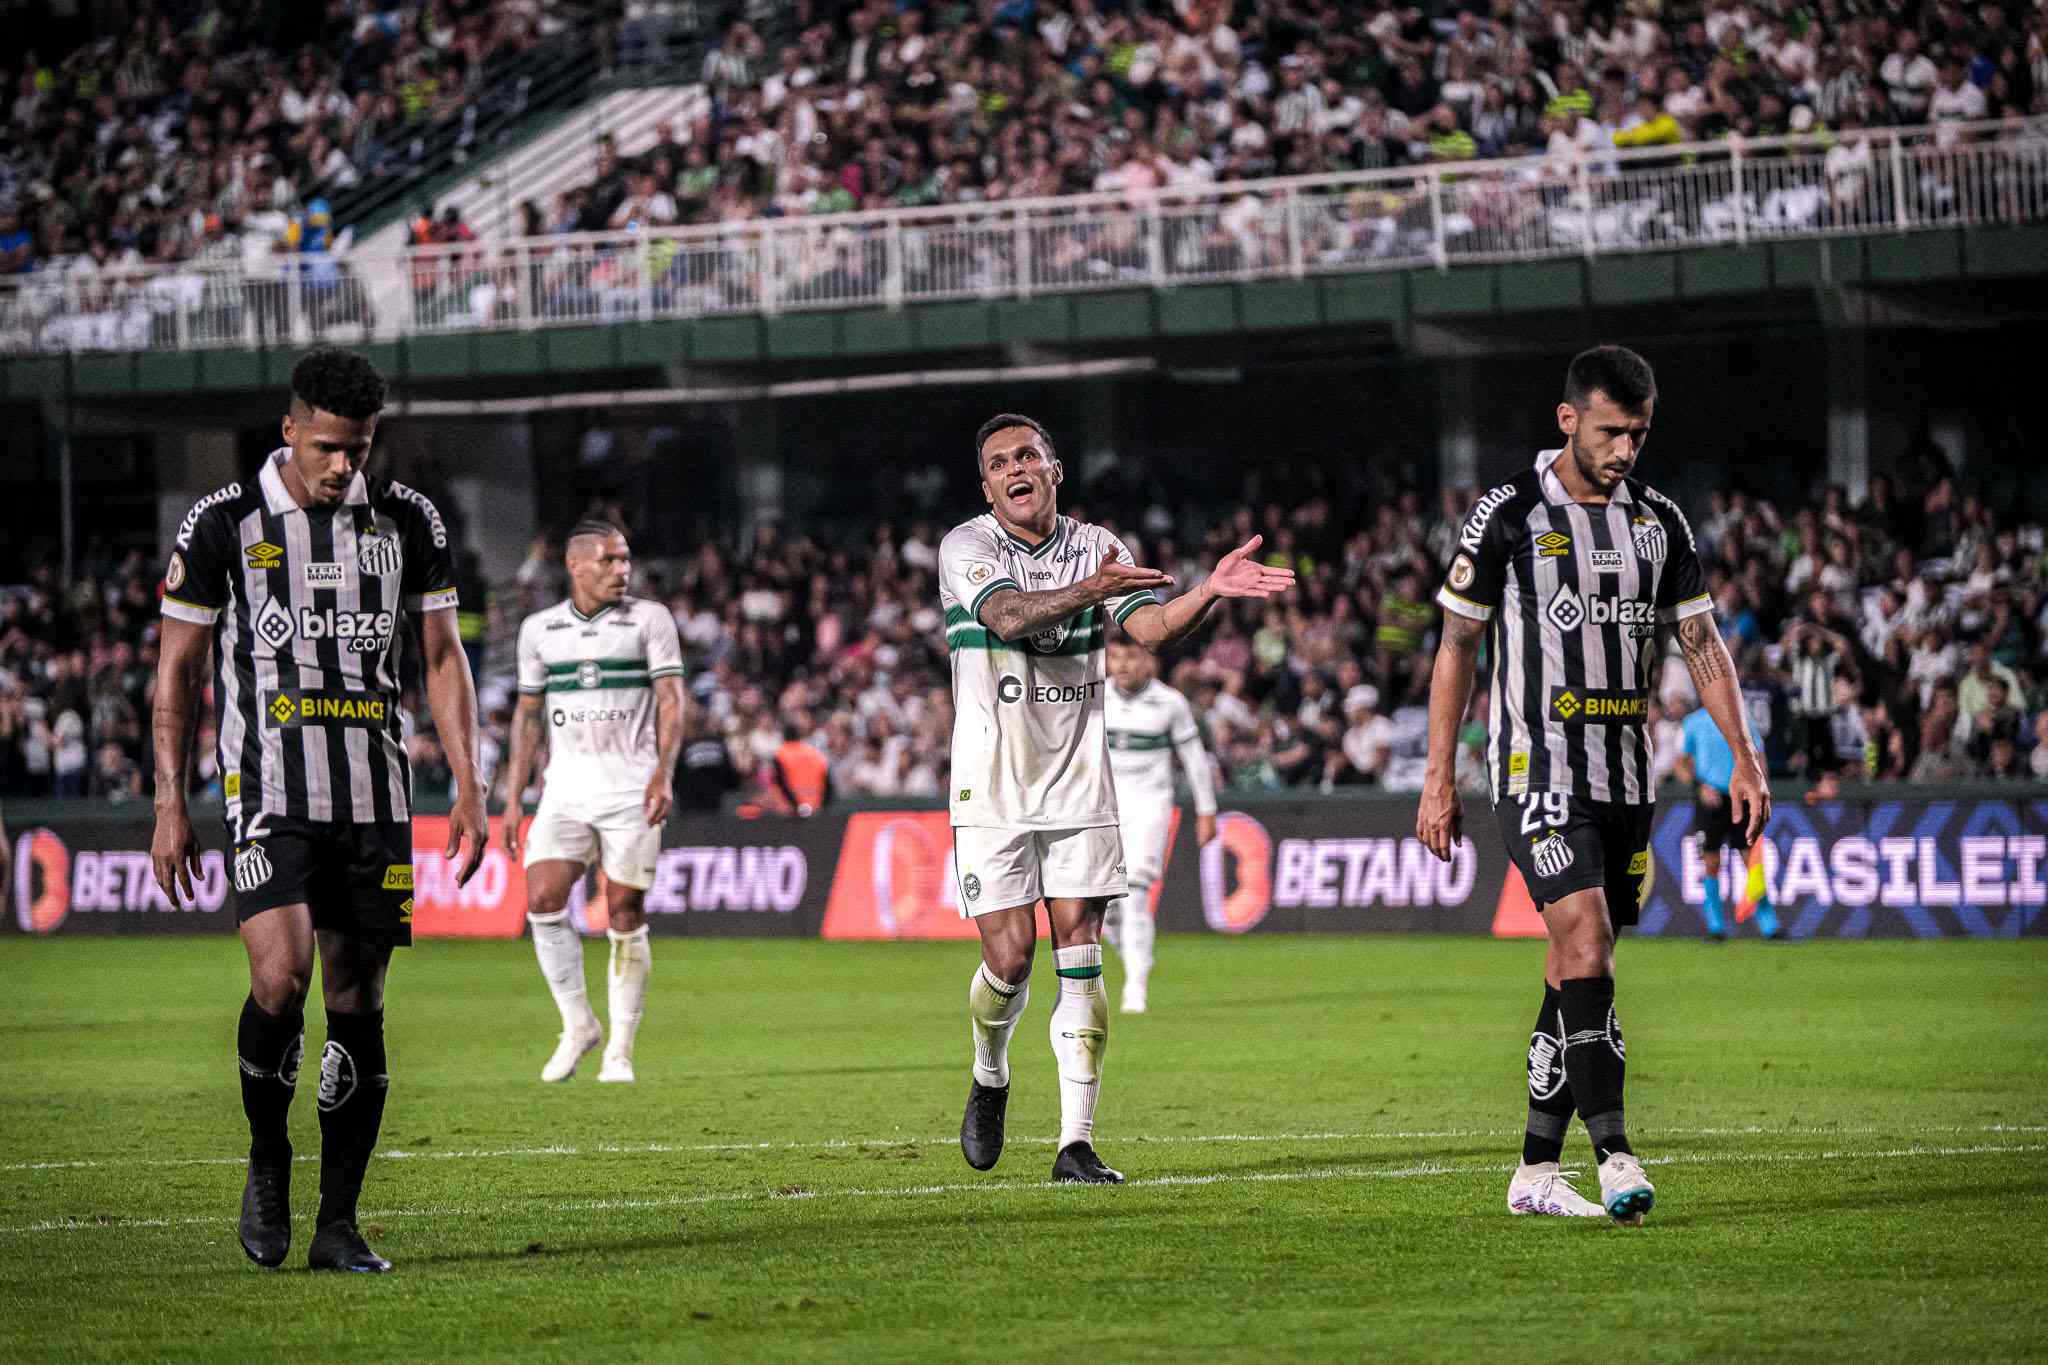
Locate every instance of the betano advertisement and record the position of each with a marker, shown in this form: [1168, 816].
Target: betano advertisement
[1920, 869]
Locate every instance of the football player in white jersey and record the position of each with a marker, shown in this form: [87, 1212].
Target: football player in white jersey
[1025, 593]
[1149, 724]
[602, 675]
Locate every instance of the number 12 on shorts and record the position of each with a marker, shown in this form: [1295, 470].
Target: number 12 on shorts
[1544, 808]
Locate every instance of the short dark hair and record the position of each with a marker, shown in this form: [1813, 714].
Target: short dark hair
[1003, 421]
[1625, 377]
[329, 379]
[594, 526]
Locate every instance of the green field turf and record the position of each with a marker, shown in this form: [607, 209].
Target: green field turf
[1850, 1143]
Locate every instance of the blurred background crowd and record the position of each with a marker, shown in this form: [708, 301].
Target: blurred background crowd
[168, 130]
[1899, 639]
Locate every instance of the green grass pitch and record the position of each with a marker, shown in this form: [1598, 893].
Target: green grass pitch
[1850, 1144]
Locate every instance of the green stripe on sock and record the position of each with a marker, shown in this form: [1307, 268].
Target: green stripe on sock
[1081, 973]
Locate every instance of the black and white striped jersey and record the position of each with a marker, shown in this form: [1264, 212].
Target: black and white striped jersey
[308, 611]
[1575, 593]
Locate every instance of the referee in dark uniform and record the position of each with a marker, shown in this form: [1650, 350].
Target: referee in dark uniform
[301, 581]
[1574, 574]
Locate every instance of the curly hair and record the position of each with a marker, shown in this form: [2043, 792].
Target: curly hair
[329, 379]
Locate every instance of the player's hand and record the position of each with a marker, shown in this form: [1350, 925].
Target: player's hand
[1205, 830]
[1117, 579]
[1237, 574]
[1709, 798]
[660, 799]
[174, 853]
[513, 835]
[1749, 797]
[1440, 821]
[469, 833]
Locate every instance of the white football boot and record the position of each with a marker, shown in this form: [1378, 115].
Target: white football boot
[571, 1049]
[1544, 1189]
[618, 1067]
[1625, 1190]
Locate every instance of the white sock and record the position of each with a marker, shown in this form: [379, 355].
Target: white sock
[1133, 912]
[1080, 1035]
[632, 959]
[560, 950]
[993, 1007]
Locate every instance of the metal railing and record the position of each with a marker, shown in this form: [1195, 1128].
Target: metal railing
[1611, 202]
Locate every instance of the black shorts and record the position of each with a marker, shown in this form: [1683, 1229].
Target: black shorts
[1718, 828]
[356, 878]
[1563, 844]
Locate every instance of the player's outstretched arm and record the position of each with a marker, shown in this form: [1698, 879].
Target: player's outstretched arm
[1013, 614]
[451, 696]
[1440, 820]
[526, 734]
[1713, 677]
[180, 676]
[1237, 574]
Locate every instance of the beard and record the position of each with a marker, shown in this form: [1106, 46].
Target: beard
[1588, 470]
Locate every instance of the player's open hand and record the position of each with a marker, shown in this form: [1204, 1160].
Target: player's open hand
[1749, 799]
[174, 853]
[660, 799]
[1237, 574]
[1116, 578]
[469, 833]
[1440, 820]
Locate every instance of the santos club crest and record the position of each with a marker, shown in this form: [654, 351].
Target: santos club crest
[377, 554]
[1648, 534]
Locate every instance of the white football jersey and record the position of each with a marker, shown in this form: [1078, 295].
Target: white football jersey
[595, 677]
[1145, 732]
[1028, 745]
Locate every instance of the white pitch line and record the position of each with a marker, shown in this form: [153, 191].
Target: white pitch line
[860, 1144]
[1426, 1169]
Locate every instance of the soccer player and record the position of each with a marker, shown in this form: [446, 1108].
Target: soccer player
[1708, 763]
[1034, 811]
[606, 671]
[1148, 723]
[1573, 573]
[302, 581]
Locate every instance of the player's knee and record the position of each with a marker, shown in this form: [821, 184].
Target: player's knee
[280, 987]
[351, 996]
[1009, 963]
[626, 915]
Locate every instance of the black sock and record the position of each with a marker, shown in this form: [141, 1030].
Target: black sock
[1595, 1060]
[1550, 1095]
[268, 1048]
[352, 1086]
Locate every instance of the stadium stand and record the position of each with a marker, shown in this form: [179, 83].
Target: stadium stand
[199, 132]
[1899, 640]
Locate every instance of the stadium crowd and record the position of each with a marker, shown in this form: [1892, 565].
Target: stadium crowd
[878, 104]
[1900, 639]
[189, 130]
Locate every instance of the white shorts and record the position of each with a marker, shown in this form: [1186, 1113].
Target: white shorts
[576, 830]
[1144, 835]
[1000, 869]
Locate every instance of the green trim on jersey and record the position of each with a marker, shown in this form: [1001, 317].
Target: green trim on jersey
[1138, 741]
[586, 620]
[976, 637]
[974, 608]
[1131, 604]
[1044, 547]
[610, 682]
[609, 665]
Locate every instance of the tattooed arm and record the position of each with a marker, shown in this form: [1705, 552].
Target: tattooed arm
[1014, 614]
[1713, 677]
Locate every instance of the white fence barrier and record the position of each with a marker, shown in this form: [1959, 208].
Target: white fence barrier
[1644, 199]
